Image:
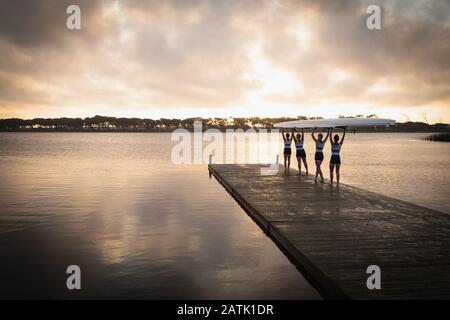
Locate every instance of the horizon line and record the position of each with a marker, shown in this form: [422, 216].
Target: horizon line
[204, 118]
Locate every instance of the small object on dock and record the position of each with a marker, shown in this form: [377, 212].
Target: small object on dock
[333, 236]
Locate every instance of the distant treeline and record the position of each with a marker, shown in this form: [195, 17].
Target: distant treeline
[112, 124]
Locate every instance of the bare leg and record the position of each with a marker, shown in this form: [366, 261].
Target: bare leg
[289, 162]
[285, 161]
[337, 174]
[299, 161]
[306, 165]
[317, 170]
[331, 174]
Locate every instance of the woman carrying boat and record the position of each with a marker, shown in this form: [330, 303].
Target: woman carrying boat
[318, 157]
[335, 161]
[287, 139]
[300, 151]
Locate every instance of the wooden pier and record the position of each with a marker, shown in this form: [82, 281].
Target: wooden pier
[333, 235]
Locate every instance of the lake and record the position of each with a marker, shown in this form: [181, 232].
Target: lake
[140, 226]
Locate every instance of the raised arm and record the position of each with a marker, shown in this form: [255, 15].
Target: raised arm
[303, 135]
[282, 133]
[312, 135]
[293, 135]
[343, 136]
[330, 132]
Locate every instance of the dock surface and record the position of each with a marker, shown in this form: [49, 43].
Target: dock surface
[333, 235]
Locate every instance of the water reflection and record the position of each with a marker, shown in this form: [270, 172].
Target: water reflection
[138, 226]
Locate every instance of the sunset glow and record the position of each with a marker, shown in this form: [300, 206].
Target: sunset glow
[219, 59]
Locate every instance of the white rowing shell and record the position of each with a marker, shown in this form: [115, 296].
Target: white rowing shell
[335, 123]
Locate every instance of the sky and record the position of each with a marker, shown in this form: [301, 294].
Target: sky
[182, 58]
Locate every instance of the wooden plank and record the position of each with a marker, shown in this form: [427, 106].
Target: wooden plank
[333, 235]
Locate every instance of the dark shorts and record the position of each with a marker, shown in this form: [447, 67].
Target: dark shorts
[300, 153]
[335, 160]
[287, 151]
[318, 156]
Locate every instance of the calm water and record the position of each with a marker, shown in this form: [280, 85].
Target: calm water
[142, 227]
[138, 226]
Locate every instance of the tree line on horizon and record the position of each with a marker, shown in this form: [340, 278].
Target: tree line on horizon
[103, 123]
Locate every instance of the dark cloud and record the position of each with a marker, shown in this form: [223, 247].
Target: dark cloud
[31, 23]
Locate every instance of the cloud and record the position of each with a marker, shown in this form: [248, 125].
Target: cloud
[149, 56]
[408, 56]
